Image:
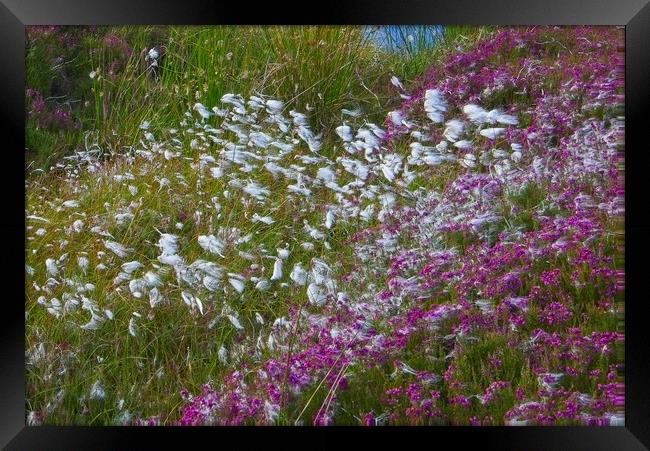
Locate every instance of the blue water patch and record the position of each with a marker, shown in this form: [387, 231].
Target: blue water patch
[405, 38]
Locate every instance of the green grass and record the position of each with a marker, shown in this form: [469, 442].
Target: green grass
[314, 69]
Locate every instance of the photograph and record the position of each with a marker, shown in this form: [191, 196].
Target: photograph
[324, 225]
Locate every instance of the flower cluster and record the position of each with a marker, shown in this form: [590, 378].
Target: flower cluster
[57, 117]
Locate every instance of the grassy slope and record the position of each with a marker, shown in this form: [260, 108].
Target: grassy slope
[176, 348]
[325, 69]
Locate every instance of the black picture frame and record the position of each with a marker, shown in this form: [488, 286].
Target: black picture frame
[16, 14]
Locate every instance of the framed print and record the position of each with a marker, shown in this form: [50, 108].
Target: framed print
[404, 220]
